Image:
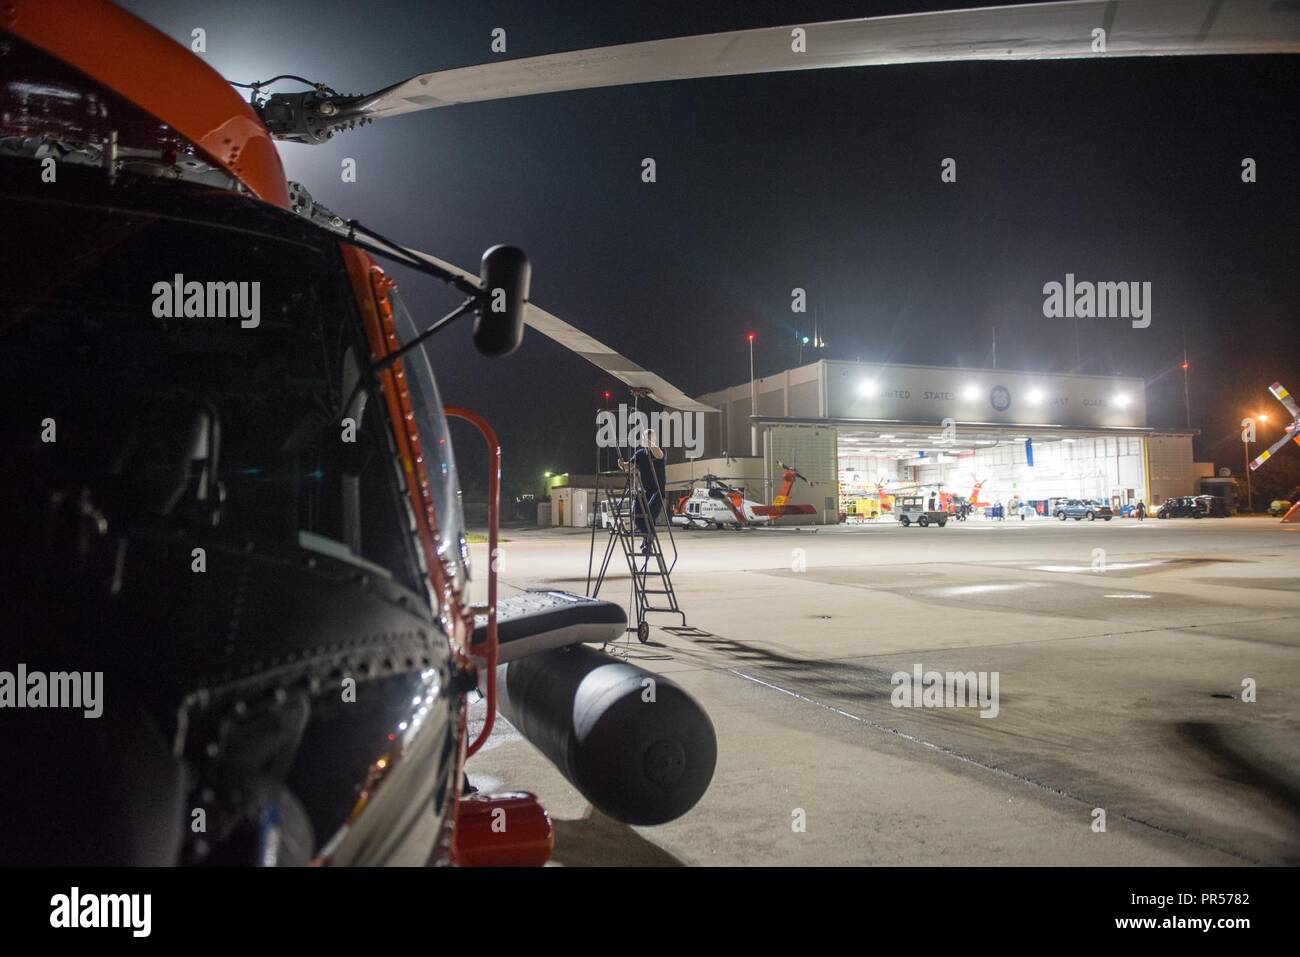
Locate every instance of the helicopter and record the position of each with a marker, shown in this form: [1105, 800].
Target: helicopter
[1292, 431]
[246, 529]
[718, 505]
[1291, 434]
[885, 494]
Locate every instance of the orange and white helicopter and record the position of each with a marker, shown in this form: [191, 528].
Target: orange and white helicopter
[943, 497]
[974, 499]
[716, 504]
[1292, 431]
[1290, 434]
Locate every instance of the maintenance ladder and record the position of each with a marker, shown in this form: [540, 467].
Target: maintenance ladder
[651, 573]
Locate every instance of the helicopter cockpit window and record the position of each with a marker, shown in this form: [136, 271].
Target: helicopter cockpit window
[192, 321]
[435, 439]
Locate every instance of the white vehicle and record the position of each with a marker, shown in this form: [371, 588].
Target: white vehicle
[910, 509]
[609, 511]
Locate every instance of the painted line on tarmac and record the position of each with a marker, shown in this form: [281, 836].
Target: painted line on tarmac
[966, 759]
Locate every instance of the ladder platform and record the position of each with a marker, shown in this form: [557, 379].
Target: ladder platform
[539, 620]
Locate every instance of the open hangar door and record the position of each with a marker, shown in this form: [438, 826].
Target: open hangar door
[1000, 464]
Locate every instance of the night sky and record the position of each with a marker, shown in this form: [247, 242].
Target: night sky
[1123, 169]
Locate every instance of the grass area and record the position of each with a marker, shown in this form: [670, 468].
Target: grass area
[480, 538]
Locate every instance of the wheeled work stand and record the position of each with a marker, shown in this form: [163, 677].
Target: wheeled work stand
[652, 584]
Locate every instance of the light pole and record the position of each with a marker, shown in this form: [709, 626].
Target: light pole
[1187, 401]
[802, 342]
[1245, 436]
[1248, 433]
[600, 463]
[753, 400]
[1245, 448]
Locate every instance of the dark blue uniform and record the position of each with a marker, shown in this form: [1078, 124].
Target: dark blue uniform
[654, 477]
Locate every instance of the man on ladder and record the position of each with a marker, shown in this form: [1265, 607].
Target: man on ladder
[649, 464]
[645, 490]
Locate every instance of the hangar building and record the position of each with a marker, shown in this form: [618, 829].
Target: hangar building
[850, 427]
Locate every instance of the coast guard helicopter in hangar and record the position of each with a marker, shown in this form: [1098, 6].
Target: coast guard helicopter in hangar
[251, 528]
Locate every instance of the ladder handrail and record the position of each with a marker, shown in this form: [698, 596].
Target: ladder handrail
[630, 505]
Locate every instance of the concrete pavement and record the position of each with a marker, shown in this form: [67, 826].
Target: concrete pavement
[1121, 649]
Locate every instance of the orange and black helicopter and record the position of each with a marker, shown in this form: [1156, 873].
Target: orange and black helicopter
[241, 631]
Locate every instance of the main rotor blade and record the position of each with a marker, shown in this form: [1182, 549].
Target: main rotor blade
[1031, 32]
[1291, 435]
[1282, 395]
[593, 350]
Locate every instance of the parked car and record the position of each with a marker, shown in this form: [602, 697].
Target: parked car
[1079, 509]
[1212, 506]
[1279, 506]
[1180, 506]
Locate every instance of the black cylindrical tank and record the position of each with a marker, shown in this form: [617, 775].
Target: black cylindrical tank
[636, 745]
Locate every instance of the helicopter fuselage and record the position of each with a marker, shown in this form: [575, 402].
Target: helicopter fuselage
[718, 508]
